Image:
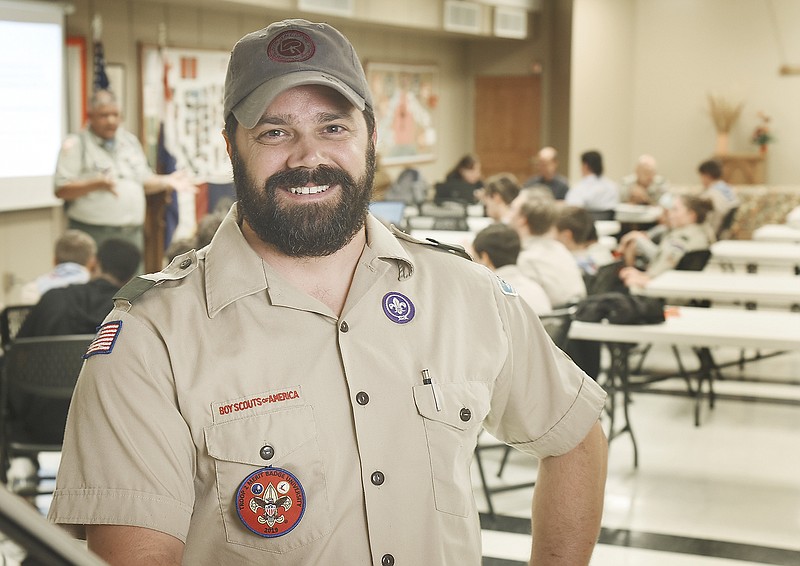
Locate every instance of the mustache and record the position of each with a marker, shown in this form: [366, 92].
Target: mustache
[321, 175]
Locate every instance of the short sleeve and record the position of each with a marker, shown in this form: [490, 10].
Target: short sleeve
[128, 456]
[542, 403]
[69, 164]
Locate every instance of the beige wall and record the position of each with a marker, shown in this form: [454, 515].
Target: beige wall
[642, 70]
[602, 83]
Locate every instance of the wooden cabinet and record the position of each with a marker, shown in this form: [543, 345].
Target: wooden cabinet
[743, 168]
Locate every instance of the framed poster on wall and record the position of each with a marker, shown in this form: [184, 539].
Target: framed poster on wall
[405, 99]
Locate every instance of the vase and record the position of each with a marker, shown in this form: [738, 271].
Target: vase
[722, 144]
[762, 149]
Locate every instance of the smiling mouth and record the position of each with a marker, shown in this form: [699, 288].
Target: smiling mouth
[308, 190]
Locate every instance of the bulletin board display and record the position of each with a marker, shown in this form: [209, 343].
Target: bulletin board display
[183, 90]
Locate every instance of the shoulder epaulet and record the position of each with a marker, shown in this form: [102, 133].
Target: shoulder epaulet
[178, 268]
[454, 249]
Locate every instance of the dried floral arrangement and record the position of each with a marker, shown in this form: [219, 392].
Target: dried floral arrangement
[724, 113]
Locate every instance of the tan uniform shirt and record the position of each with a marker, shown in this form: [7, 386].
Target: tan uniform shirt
[676, 243]
[223, 369]
[84, 156]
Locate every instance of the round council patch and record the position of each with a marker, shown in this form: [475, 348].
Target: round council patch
[291, 47]
[398, 308]
[270, 502]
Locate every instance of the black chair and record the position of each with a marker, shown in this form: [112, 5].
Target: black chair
[556, 324]
[602, 214]
[694, 261]
[11, 319]
[727, 222]
[447, 215]
[42, 367]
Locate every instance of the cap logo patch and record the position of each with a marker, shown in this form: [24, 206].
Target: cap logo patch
[398, 308]
[270, 502]
[291, 47]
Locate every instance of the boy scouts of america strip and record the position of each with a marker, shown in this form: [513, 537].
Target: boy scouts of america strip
[106, 337]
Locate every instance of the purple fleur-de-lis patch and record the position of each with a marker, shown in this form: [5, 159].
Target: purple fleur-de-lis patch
[398, 308]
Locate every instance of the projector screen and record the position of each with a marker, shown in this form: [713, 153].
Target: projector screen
[32, 102]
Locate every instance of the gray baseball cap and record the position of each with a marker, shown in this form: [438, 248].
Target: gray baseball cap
[287, 54]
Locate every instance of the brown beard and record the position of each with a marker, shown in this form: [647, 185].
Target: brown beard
[306, 230]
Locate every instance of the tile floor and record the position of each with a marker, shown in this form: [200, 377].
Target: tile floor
[726, 493]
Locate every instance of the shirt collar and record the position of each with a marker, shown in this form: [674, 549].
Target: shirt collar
[234, 270]
[108, 145]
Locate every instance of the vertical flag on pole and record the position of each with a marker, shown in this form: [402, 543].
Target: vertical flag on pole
[165, 160]
[100, 76]
[100, 80]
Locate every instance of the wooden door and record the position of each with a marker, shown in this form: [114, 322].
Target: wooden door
[507, 123]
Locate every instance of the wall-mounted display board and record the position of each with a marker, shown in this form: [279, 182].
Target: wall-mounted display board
[183, 88]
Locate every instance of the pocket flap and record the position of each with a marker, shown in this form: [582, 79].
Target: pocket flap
[242, 440]
[461, 405]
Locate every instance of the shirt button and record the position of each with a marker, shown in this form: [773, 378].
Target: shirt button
[344, 327]
[266, 452]
[377, 479]
[387, 560]
[465, 414]
[185, 263]
[362, 398]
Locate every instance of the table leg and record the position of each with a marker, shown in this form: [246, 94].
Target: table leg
[618, 379]
[706, 373]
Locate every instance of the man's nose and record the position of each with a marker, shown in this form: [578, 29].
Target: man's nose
[305, 152]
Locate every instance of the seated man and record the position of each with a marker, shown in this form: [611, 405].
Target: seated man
[497, 247]
[543, 258]
[498, 194]
[719, 192]
[595, 192]
[644, 185]
[546, 163]
[76, 309]
[687, 232]
[73, 262]
[575, 229]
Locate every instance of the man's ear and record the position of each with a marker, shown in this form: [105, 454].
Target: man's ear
[227, 144]
[483, 257]
[93, 265]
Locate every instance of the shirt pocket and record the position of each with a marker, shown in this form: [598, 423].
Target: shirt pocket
[239, 449]
[452, 433]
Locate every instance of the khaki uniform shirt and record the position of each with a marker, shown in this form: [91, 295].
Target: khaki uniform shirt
[676, 243]
[223, 369]
[84, 156]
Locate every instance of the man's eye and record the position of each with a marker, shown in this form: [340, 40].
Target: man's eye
[335, 129]
[270, 134]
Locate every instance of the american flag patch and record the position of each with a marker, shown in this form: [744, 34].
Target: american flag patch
[103, 343]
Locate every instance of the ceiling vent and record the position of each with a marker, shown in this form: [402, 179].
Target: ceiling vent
[461, 16]
[333, 7]
[510, 22]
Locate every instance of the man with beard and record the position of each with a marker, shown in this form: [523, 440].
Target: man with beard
[309, 388]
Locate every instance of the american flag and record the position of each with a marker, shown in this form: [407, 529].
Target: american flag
[165, 159]
[103, 343]
[100, 77]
